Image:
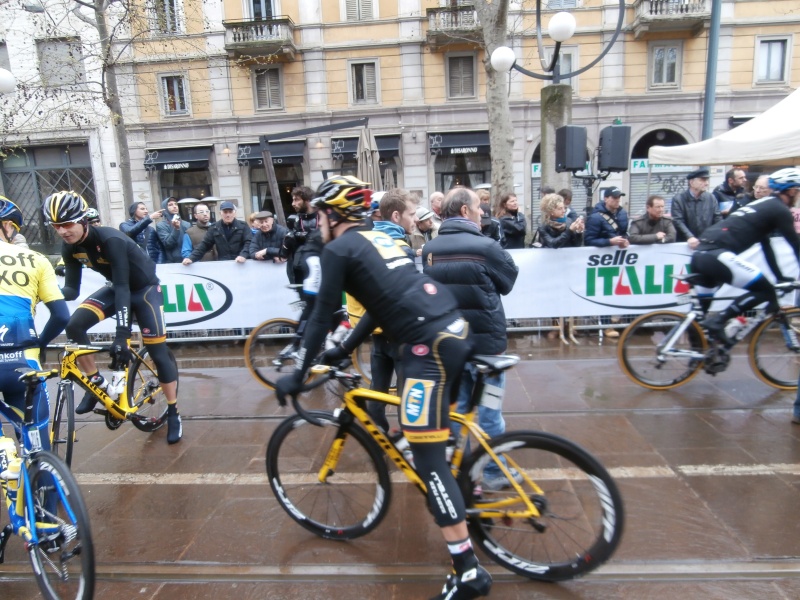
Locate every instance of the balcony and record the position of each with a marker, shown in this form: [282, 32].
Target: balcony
[263, 37]
[670, 15]
[453, 25]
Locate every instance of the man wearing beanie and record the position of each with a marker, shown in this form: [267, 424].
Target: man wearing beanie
[138, 226]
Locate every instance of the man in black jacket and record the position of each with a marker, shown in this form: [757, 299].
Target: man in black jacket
[478, 271]
[268, 240]
[230, 236]
[727, 192]
[695, 209]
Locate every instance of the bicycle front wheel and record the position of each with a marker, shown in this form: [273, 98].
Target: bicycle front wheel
[774, 352]
[62, 434]
[63, 560]
[145, 392]
[262, 350]
[580, 518]
[342, 503]
[639, 356]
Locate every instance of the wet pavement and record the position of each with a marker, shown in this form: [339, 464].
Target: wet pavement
[709, 473]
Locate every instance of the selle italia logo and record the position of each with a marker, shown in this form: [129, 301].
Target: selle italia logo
[620, 279]
[190, 299]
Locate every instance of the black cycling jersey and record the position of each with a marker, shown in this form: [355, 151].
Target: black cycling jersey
[368, 265]
[115, 256]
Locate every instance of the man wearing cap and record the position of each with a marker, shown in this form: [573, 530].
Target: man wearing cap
[268, 240]
[424, 230]
[230, 236]
[608, 224]
[694, 209]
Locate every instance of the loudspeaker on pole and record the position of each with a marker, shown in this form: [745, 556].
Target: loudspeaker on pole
[570, 148]
[615, 148]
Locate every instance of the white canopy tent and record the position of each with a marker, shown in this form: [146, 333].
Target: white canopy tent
[773, 137]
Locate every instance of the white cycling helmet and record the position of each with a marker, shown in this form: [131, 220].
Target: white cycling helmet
[784, 179]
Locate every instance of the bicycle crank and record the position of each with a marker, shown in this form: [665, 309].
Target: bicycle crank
[111, 421]
[717, 360]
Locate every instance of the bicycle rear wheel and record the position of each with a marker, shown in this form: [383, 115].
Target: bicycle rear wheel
[145, 393]
[581, 513]
[62, 433]
[63, 560]
[639, 357]
[354, 497]
[263, 347]
[774, 352]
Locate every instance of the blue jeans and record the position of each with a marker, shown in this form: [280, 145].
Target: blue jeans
[796, 410]
[490, 419]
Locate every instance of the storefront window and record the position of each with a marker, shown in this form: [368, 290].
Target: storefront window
[185, 183]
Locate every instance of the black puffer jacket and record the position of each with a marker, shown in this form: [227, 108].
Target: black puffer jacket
[478, 271]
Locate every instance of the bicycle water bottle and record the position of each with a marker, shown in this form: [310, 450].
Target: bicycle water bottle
[734, 329]
[10, 465]
[405, 448]
[117, 384]
[451, 448]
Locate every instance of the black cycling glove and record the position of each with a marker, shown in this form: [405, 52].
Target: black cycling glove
[334, 356]
[288, 385]
[119, 348]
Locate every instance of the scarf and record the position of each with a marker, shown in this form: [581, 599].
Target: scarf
[557, 224]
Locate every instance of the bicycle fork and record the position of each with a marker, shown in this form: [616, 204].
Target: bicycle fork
[675, 333]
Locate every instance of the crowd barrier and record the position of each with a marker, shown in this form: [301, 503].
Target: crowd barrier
[204, 298]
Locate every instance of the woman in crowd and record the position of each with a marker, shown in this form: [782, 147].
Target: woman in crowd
[512, 221]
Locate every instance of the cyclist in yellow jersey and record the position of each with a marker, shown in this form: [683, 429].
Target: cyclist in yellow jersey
[26, 278]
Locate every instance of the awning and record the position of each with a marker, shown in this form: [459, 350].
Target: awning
[347, 148]
[459, 142]
[283, 153]
[173, 159]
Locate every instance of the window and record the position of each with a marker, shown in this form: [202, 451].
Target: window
[460, 77]
[363, 82]
[4, 62]
[568, 62]
[561, 4]
[175, 95]
[665, 65]
[262, 10]
[359, 10]
[60, 62]
[167, 16]
[771, 61]
[268, 89]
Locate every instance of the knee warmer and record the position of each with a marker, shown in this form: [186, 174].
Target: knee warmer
[444, 497]
[167, 371]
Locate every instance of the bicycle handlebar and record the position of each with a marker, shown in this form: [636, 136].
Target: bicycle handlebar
[326, 373]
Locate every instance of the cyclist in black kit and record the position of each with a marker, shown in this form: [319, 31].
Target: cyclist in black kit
[422, 317]
[717, 257]
[132, 289]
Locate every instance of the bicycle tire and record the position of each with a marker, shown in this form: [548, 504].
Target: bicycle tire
[262, 347]
[638, 356]
[144, 390]
[62, 435]
[57, 500]
[771, 358]
[352, 501]
[582, 515]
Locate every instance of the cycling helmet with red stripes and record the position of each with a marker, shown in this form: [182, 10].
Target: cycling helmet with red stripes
[347, 196]
[64, 207]
[10, 212]
[784, 179]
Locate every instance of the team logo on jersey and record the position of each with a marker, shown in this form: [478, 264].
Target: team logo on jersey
[416, 401]
[383, 241]
[3, 332]
[420, 350]
[430, 289]
[145, 330]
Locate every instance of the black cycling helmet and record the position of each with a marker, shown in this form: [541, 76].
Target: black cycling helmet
[10, 212]
[347, 196]
[785, 179]
[92, 215]
[64, 207]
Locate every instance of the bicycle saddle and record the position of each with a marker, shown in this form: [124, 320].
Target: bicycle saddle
[489, 362]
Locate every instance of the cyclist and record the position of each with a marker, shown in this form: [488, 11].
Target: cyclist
[420, 315]
[132, 290]
[717, 257]
[11, 218]
[27, 278]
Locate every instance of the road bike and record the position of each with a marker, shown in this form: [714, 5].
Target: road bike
[140, 399]
[559, 516]
[46, 509]
[663, 349]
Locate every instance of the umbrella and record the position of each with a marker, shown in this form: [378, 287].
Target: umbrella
[369, 160]
[388, 180]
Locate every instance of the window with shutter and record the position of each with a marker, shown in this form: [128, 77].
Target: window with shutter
[268, 89]
[167, 16]
[359, 10]
[461, 77]
[364, 83]
[60, 62]
[173, 90]
[262, 10]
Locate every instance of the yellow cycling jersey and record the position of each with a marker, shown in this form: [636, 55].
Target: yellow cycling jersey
[26, 278]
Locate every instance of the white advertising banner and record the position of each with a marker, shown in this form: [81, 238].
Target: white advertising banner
[552, 283]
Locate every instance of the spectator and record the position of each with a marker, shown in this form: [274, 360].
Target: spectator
[424, 230]
[695, 209]
[268, 241]
[436, 206]
[653, 227]
[138, 226]
[478, 272]
[10, 227]
[251, 220]
[558, 230]
[230, 236]
[490, 227]
[196, 233]
[300, 225]
[727, 191]
[608, 224]
[761, 189]
[566, 194]
[171, 231]
[512, 221]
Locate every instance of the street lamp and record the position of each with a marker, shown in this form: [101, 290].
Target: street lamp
[7, 82]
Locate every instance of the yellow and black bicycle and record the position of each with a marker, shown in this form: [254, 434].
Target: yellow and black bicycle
[556, 515]
[140, 398]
